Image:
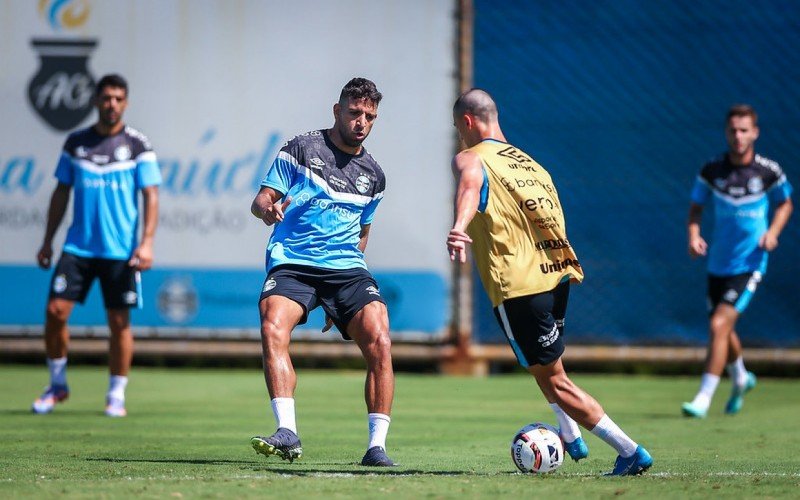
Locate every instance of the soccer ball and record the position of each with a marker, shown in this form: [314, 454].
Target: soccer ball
[537, 448]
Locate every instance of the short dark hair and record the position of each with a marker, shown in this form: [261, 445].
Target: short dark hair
[476, 102]
[360, 88]
[111, 80]
[742, 110]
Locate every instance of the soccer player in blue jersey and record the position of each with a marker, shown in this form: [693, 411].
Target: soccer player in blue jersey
[742, 186]
[106, 166]
[320, 194]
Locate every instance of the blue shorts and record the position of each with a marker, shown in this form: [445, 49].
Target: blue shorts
[341, 293]
[736, 290]
[120, 283]
[534, 325]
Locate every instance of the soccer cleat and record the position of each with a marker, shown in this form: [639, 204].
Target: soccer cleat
[690, 410]
[736, 400]
[634, 465]
[376, 457]
[47, 401]
[283, 443]
[577, 449]
[115, 407]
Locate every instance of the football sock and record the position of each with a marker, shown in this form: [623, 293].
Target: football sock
[116, 387]
[708, 384]
[737, 372]
[569, 429]
[283, 409]
[378, 428]
[610, 432]
[58, 370]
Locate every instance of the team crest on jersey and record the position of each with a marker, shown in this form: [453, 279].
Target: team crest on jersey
[362, 184]
[60, 283]
[755, 185]
[122, 153]
[269, 285]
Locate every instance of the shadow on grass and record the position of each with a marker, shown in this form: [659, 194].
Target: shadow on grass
[308, 470]
[55, 414]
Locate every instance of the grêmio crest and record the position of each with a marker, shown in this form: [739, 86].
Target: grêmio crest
[61, 91]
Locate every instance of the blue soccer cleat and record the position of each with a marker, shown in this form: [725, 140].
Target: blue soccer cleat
[52, 395]
[690, 410]
[577, 449]
[736, 400]
[376, 457]
[283, 443]
[634, 465]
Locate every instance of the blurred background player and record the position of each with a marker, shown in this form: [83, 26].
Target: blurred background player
[330, 187]
[742, 186]
[507, 206]
[105, 165]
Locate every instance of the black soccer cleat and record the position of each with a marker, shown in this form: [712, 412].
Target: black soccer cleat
[376, 457]
[283, 443]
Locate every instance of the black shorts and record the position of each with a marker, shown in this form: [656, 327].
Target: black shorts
[120, 283]
[341, 293]
[736, 290]
[534, 325]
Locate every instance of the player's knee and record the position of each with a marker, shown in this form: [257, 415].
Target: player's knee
[720, 325]
[57, 313]
[273, 337]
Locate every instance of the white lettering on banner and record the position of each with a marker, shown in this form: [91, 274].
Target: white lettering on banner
[203, 221]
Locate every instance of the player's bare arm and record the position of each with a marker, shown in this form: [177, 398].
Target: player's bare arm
[468, 171]
[265, 206]
[142, 257]
[769, 240]
[55, 213]
[363, 237]
[697, 245]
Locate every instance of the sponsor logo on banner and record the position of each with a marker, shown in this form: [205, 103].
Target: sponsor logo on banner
[61, 90]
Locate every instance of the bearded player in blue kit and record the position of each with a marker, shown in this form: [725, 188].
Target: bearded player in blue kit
[741, 186]
[320, 194]
[106, 166]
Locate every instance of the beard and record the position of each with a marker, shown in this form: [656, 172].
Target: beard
[348, 138]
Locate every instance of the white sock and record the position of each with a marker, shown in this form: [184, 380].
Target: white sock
[58, 370]
[708, 385]
[283, 409]
[569, 429]
[116, 387]
[378, 429]
[737, 372]
[610, 432]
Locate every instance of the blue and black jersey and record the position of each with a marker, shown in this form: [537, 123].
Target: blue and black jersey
[106, 174]
[741, 198]
[333, 194]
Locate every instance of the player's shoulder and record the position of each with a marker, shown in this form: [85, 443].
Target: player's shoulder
[714, 167]
[78, 138]
[305, 140]
[768, 165]
[139, 142]
[374, 166]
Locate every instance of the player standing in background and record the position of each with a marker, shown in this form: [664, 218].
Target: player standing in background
[330, 187]
[507, 206]
[742, 186]
[106, 165]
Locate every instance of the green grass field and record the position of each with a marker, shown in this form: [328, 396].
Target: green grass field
[187, 435]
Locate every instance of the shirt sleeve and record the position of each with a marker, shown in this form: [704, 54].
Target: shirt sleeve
[701, 191]
[147, 171]
[64, 169]
[369, 210]
[281, 173]
[780, 191]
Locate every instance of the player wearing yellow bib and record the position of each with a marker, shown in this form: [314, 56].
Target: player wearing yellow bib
[507, 207]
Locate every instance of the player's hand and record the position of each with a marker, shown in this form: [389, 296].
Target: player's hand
[697, 247]
[274, 213]
[328, 324]
[45, 256]
[457, 241]
[768, 241]
[142, 258]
